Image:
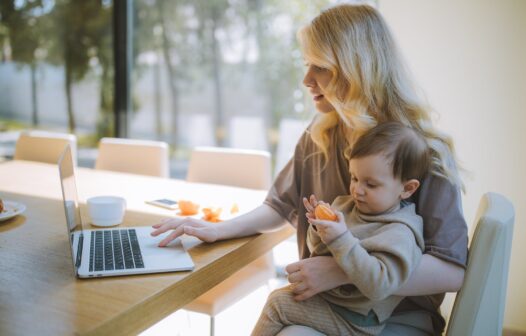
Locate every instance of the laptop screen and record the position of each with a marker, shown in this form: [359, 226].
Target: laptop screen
[71, 204]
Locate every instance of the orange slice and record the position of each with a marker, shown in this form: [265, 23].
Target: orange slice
[212, 214]
[323, 211]
[187, 208]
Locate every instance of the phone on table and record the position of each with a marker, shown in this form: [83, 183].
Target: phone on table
[164, 203]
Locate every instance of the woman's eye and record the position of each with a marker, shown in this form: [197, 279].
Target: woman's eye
[372, 186]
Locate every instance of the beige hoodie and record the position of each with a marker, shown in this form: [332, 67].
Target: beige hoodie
[378, 253]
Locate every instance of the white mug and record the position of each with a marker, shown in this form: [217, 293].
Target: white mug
[106, 210]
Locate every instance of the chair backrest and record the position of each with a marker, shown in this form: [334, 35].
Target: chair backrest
[236, 167]
[144, 157]
[43, 146]
[479, 306]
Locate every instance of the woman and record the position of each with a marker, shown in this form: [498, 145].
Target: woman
[357, 80]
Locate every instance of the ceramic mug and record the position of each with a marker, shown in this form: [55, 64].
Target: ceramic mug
[106, 210]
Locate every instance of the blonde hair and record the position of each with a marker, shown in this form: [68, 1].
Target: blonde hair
[370, 84]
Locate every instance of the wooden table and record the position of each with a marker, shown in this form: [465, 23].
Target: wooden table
[39, 294]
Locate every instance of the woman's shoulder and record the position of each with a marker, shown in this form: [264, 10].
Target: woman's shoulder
[435, 183]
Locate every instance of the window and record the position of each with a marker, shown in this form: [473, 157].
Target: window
[56, 66]
[222, 73]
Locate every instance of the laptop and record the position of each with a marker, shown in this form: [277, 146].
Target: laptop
[113, 251]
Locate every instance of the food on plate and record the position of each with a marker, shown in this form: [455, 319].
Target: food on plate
[187, 208]
[212, 214]
[234, 209]
[1, 205]
[324, 211]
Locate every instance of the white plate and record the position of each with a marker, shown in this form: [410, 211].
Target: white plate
[11, 209]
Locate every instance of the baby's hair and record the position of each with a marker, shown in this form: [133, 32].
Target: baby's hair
[404, 147]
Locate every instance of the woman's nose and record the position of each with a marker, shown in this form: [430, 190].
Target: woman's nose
[308, 80]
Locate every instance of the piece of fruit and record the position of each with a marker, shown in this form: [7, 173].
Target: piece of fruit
[323, 211]
[234, 209]
[187, 208]
[212, 214]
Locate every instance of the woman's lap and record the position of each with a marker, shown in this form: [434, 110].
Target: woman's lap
[407, 324]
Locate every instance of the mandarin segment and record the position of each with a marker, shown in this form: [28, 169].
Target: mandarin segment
[234, 209]
[323, 211]
[212, 214]
[187, 208]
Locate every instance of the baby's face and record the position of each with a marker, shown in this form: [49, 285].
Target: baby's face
[373, 186]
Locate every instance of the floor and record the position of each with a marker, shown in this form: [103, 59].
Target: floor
[237, 320]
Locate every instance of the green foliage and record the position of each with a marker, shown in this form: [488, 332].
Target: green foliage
[188, 37]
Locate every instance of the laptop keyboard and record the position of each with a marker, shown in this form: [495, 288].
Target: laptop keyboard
[115, 250]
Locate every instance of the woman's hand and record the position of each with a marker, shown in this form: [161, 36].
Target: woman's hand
[206, 231]
[315, 275]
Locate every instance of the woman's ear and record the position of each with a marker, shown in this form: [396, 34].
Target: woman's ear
[410, 187]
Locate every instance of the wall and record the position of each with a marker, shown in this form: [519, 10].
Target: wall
[469, 58]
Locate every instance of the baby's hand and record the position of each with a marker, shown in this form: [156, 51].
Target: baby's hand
[310, 204]
[329, 230]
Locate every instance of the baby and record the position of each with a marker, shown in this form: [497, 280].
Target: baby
[376, 238]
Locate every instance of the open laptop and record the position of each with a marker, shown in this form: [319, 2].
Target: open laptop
[113, 251]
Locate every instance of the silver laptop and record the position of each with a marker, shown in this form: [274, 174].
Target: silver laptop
[113, 251]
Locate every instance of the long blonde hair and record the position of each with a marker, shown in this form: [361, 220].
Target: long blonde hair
[369, 84]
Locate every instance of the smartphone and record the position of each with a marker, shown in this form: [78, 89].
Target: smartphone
[164, 203]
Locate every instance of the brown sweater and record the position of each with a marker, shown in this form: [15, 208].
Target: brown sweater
[437, 201]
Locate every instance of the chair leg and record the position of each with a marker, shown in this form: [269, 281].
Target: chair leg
[212, 325]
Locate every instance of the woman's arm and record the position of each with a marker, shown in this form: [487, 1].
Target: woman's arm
[315, 275]
[318, 274]
[261, 219]
[433, 276]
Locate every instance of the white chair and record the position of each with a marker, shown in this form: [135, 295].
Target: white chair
[479, 305]
[241, 168]
[236, 167]
[144, 157]
[43, 146]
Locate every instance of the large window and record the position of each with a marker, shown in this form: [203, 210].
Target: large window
[56, 67]
[222, 72]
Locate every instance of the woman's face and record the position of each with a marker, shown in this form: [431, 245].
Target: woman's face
[316, 80]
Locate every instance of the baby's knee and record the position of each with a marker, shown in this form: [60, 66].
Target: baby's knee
[280, 296]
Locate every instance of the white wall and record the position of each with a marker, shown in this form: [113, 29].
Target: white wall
[469, 57]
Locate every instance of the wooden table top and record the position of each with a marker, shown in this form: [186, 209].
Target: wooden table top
[39, 293]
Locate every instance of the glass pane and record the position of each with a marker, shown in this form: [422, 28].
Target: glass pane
[220, 73]
[56, 69]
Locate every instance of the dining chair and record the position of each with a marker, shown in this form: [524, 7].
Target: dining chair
[246, 168]
[44, 146]
[144, 157]
[240, 168]
[479, 305]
